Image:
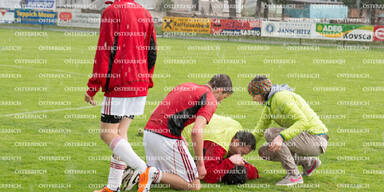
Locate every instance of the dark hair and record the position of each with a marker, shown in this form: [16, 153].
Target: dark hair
[246, 138]
[221, 81]
[260, 78]
[237, 175]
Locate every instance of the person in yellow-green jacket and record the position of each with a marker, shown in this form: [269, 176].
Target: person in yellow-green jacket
[302, 136]
[225, 144]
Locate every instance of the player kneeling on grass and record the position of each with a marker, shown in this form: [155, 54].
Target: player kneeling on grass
[302, 134]
[225, 144]
[163, 142]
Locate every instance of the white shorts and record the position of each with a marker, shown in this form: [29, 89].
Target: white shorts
[169, 155]
[123, 106]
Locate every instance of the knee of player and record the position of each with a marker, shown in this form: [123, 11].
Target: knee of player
[195, 185]
[260, 151]
[263, 151]
[267, 134]
[103, 136]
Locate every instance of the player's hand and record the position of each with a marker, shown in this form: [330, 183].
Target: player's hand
[201, 170]
[89, 99]
[237, 159]
[276, 144]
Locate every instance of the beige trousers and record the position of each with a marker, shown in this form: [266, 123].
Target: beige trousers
[297, 151]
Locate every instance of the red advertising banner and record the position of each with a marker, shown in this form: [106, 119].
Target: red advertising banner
[378, 33]
[236, 27]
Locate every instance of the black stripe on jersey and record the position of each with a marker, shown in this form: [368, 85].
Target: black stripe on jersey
[176, 122]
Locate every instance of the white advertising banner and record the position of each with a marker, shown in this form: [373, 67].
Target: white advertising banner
[287, 29]
[11, 4]
[74, 19]
[7, 16]
[40, 4]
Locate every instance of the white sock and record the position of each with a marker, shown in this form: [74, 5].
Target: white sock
[115, 173]
[159, 176]
[124, 151]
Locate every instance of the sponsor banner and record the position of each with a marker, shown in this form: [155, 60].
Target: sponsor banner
[347, 32]
[236, 27]
[28, 16]
[7, 16]
[187, 24]
[10, 4]
[40, 4]
[74, 19]
[378, 33]
[287, 29]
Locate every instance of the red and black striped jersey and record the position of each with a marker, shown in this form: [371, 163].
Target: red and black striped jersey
[180, 108]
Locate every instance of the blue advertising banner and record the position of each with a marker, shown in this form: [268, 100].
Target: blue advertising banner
[40, 4]
[28, 16]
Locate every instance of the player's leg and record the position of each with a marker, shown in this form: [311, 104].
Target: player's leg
[306, 147]
[186, 171]
[124, 125]
[118, 166]
[177, 182]
[110, 127]
[122, 150]
[172, 158]
[284, 156]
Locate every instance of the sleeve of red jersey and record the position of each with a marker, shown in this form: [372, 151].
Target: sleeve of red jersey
[252, 172]
[209, 108]
[152, 53]
[215, 164]
[103, 49]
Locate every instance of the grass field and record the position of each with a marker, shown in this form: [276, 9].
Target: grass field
[49, 135]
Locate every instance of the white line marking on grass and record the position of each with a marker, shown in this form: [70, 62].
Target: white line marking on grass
[55, 70]
[47, 111]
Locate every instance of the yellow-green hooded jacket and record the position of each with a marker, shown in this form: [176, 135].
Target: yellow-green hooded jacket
[290, 111]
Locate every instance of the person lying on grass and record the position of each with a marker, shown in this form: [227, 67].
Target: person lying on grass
[225, 144]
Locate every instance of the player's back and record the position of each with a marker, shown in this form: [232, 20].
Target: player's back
[134, 25]
[180, 108]
[126, 49]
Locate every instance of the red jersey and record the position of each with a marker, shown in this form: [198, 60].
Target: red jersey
[217, 165]
[180, 108]
[126, 51]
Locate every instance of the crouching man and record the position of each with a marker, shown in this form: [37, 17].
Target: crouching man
[302, 135]
[225, 143]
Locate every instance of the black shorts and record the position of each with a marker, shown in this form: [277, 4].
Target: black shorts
[114, 118]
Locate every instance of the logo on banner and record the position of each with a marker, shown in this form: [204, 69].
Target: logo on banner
[65, 16]
[379, 33]
[168, 23]
[330, 28]
[270, 28]
[351, 32]
[3, 12]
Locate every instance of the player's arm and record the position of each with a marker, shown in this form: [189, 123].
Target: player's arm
[217, 167]
[103, 51]
[152, 53]
[197, 143]
[203, 116]
[252, 172]
[291, 110]
[264, 123]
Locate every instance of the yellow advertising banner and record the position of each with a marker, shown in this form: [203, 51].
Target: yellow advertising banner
[187, 24]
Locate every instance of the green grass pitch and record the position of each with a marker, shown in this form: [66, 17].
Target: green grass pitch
[43, 144]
